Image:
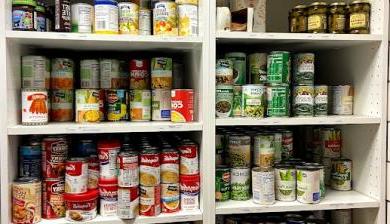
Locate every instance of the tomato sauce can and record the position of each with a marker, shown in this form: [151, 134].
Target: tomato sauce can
[128, 169]
[161, 105]
[150, 200]
[89, 74]
[93, 171]
[165, 19]
[128, 202]
[170, 161]
[62, 72]
[189, 158]
[53, 204]
[189, 192]
[128, 18]
[87, 105]
[188, 20]
[149, 167]
[182, 105]
[107, 152]
[81, 207]
[61, 105]
[30, 161]
[117, 101]
[139, 74]
[35, 107]
[108, 192]
[35, 72]
[54, 154]
[140, 105]
[170, 198]
[76, 175]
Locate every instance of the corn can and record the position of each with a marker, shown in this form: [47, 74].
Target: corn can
[61, 105]
[145, 22]
[263, 185]
[87, 105]
[140, 105]
[165, 19]
[161, 69]
[117, 101]
[188, 20]
[341, 174]
[128, 18]
[35, 72]
[161, 105]
[62, 72]
[303, 101]
[89, 74]
[34, 107]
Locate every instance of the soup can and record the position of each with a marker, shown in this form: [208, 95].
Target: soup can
[54, 155]
[303, 101]
[224, 72]
[320, 100]
[278, 101]
[76, 175]
[285, 182]
[253, 101]
[34, 107]
[263, 185]
[82, 17]
[239, 66]
[62, 105]
[35, 72]
[165, 19]
[93, 172]
[140, 105]
[170, 197]
[139, 74]
[240, 183]
[145, 22]
[128, 18]
[62, 73]
[53, 203]
[222, 183]
[189, 158]
[239, 147]
[189, 192]
[279, 67]
[182, 105]
[150, 167]
[150, 200]
[128, 169]
[308, 184]
[108, 151]
[108, 193]
[342, 100]
[188, 19]
[224, 101]
[161, 72]
[89, 74]
[237, 101]
[117, 101]
[341, 174]
[303, 67]
[128, 202]
[257, 68]
[87, 105]
[170, 163]
[161, 105]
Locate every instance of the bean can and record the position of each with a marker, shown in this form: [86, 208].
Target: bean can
[320, 100]
[128, 18]
[35, 72]
[62, 72]
[87, 105]
[331, 142]
[342, 100]
[237, 101]
[263, 185]
[139, 74]
[108, 151]
[187, 19]
[341, 174]
[308, 184]
[128, 169]
[264, 150]
[303, 69]
[161, 69]
[140, 105]
[145, 22]
[76, 175]
[239, 151]
[61, 105]
[165, 19]
[278, 67]
[30, 160]
[150, 168]
[303, 101]
[82, 17]
[189, 192]
[253, 101]
[161, 105]
[170, 166]
[117, 101]
[222, 183]
[239, 66]
[53, 204]
[258, 68]
[224, 72]
[170, 197]
[224, 101]
[128, 202]
[189, 158]
[34, 107]
[150, 200]
[106, 17]
[54, 154]
[182, 105]
[240, 183]
[285, 181]
[278, 100]
[89, 74]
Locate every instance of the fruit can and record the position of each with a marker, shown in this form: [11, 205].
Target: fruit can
[331, 142]
[128, 202]
[341, 216]
[34, 107]
[145, 22]
[303, 101]
[61, 105]
[54, 155]
[342, 99]
[239, 150]
[62, 72]
[188, 20]
[320, 100]
[139, 74]
[53, 204]
[224, 72]
[170, 163]
[237, 101]
[161, 105]
[108, 193]
[89, 74]
[278, 101]
[170, 197]
[189, 192]
[285, 182]
[30, 161]
[140, 105]
[189, 158]
[128, 169]
[149, 168]
[308, 184]
[341, 174]
[253, 101]
[150, 200]
[161, 72]
[87, 105]
[82, 18]
[264, 150]
[26, 191]
[240, 183]
[128, 18]
[93, 171]
[279, 67]
[303, 67]
[109, 74]
[224, 101]
[117, 101]
[76, 175]
[106, 17]
[222, 183]
[239, 66]
[287, 144]
[182, 105]
[108, 151]
[35, 72]
[257, 68]
[165, 19]
[263, 185]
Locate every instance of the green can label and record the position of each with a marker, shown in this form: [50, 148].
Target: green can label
[240, 183]
[278, 101]
[258, 68]
[303, 101]
[224, 101]
[239, 66]
[237, 101]
[253, 101]
[222, 184]
[304, 69]
[279, 67]
[321, 100]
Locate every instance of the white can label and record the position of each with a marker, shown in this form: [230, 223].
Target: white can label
[308, 186]
[34, 107]
[106, 18]
[263, 187]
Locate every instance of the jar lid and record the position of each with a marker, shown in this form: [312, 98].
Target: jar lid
[360, 1]
[338, 4]
[89, 195]
[300, 7]
[318, 4]
[24, 2]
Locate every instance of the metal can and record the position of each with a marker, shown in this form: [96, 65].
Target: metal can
[107, 152]
[222, 183]
[253, 101]
[287, 144]
[26, 191]
[87, 105]
[224, 101]
[140, 105]
[182, 105]
[170, 197]
[101, 100]
[165, 19]
[89, 74]
[239, 66]
[188, 20]
[239, 147]
[240, 180]
[62, 72]
[219, 149]
[76, 175]
[62, 16]
[189, 192]
[35, 72]
[303, 101]
[237, 101]
[61, 105]
[145, 22]
[263, 185]
[189, 158]
[341, 216]
[150, 167]
[331, 142]
[34, 107]
[161, 72]
[342, 100]
[192, 2]
[224, 72]
[128, 202]
[341, 176]
[117, 101]
[303, 69]
[108, 193]
[53, 203]
[161, 105]
[109, 74]
[93, 172]
[285, 181]
[279, 67]
[128, 169]
[170, 162]
[81, 207]
[106, 17]
[258, 68]
[139, 74]
[128, 18]
[308, 184]
[82, 18]
[54, 154]
[278, 101]
[278, 145]
[264, 150]
[320, 100]
[150, 200]
[30, 161]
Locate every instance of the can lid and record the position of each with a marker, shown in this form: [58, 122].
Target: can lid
[89, 195]
[318, 3]
[24, 2]
[360, 1]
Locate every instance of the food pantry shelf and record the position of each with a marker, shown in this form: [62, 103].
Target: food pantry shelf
[332, 200]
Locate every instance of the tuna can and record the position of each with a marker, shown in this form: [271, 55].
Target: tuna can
[108, 151]
[150, 167]
[87, 105]
[139, 74]
[161, 69]
[35, 72]
[30, 161]
[285, 181]
[287, 144]
[93, 172]
[109, 74]
[258, 68]
[188, 20]
[182, 105]
[341, 216]
[89, 74]
[170, 197]
[54, 154]
[303, 69]
[224, 101]
[140, 105]
[189, 192]
[145, 22]
[170, 166]
[128, 170]
[189, 158]
[320, 100]
[108, 193]
[106, 17]
[237, 101]
[253, 101]
[224, 72]
[264, 150]
[117, 101]
[279, 67]
[82, 18]
[342, 99]
[331, 141]
[53, 203]
[62, 72]
[62, 105]
[263, 185]
[239, 147]
[308, 184]
[34, 107]
[341, 174]
[239, 66]
[128, 18]
[150, 200]
[240, 179]
[222, 183]
[165, 19]
[278, 101]
[76, 175]
[161, 105]
[303, 101]
[128, 202]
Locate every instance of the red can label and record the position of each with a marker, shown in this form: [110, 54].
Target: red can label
[182, 105]
[150, 169]
[189, 192]
[128, 175]
[76, 176]
[54, 154]
[139, 74]
[107, 159]
[170, 167]
[189, 160]
[93, 172]
[128, 202]
[150, 201]
[53, 204]
[108, 199]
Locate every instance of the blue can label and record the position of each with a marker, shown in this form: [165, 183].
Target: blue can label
[41, 24]
[22, 19]
[30, 158]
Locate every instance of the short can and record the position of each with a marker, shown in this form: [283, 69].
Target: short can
[170, 197]
[93, 172]
[81, 207]
[53, 203]
[106, 17]
[117, 101]
[139, 74]
[128, 202]
[237, 101]
[224, 101]
[170, 166]
[189, 192]
[182, 105]
[145, 22]
[87, 105]
[239, 150]
[303, 67]
[110, 74]
[253, 101]
[341, 174]
[331, 142]
[35, 72]
[128, 169]
[342, 100]
[150, 200]
[222, 183]
[263, 185]
[320, 100]
[128, 18]
[30, 161]
[61, 105]
[108, 194]
[161, 73]
[89, 74]
[240, 183]
[257, 66]
[54, 155]
[341, 216]
[76, 175]
[287, 144]
[82, 17]
[149, 167]
[264, 150]
[108, 151]
[308, 184]
[23, 15]
[35, 107]
[165, 19]
[285, 182]
[189, 158]
[140, 105]
[62, 73]
[239, 66]
[279, 67]
[278, 100]
[303, 101]
[187, 19]
[161, 105]
[224, 72]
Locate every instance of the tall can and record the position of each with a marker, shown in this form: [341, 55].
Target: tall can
[87, 105]
[341, 174]
[322, 177]
[53, 203]
[264, 150]
[170, 163]
[285, 182]
[258, 68]
[189, 158]
[303, 68]
[108, 193]
[278, 145]
[128, 18]
[224, 101]
[82, 18]
[62, 16]
[165, 19]
[109, 74]
[62, 73]
[239, 147]
[239, 66]
[30, 161]
[145, 22]
[54, 155]
[34, 107]
[170, 197]
[93, 172]
[189, 192]
[108, 151]
[128, 202]
[253, 100]
[240, 184]
[62, 105]
[187, 19]
[106, 17]
[139, 74]
[161, 73]
[237, 101]
[342, 100]
[331, 142]
[128, 169]
[150, 200]
[263, 185]
[89, 74]
[161, 105]
[279, 67]
[320, 100]
[224, 72]
[278, 101]
[222, 183]
[140, 105]
[308, 184]
[303, 101]
[76, 175]
[117, 102]
[287, 144]
[182, 105]
[150, 167]
[35, 72]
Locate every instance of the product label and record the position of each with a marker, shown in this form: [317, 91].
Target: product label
[357, 20]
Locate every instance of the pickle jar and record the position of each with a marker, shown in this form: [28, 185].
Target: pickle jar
[298, 19]
[337, 17]
[359, 17]
[317, 17]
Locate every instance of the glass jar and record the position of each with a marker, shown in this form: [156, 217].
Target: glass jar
[298, 19]
[40, 17]
[359, 17]
[23, 14]
[337, 17]
[317, 18]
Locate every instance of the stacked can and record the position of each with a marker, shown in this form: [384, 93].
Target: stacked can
[170, 186]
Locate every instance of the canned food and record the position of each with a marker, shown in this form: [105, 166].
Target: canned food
[34, 107]
[61, 105]
[81, 207]
[128, 18]
[278, 67]
[76, 175]
[145, 22]
[170, 166]
[341, 216]
[89, 74]
[87, 105]
[237, 101]
[165, 19]
[285, 181]
[303, 101]
[35, 72]
[93, 172]
[264, 150]
[128, 202]
[189, 158]
[62, 72]
[108, 193]
[182, 105]
[106, 17]
[140, 105]
[101, 100]
[54, 154]
[341, 176]
[224, 72]
[161, 105]
[139, 74]
[239, 66]
[308, 184]
[240, 179]
[222, 183]
[189, 192]
[188, 19]
[304, 69]
[117, 101]
[320, 100]
[342, 100]
[263, 186]
[161, 70]
[331, 141]
[278, 145]
[149, 168]
[62, 16]
[278, 101]
[258, 68]
[178, 75]
[219, 149]
[287, 144]
[150, 200]
[110, 74]
[30, 161]
[224, 101]
[128, 170]
[192, 2]
[253, 101]
[239, 147]
[107, 152]
[53, 203]
[170, 197]
[82, 18]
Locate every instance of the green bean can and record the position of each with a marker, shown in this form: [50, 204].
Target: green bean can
[303, 67]
[224, 71]
[240, 183]
[224, 101]
[258, 68]
[237, 101]
[279, 67]
[239, 66]
[240, 150]
[303, 101]
[320, 100]
[222, 183]
[285, 182]
[278, 100]
[253, 101]
[341, 174]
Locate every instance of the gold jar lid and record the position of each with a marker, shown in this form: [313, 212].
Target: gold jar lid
[360, 2]
[319, 4]
[338, 4]
[300, 7]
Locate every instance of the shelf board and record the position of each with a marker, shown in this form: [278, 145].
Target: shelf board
[103, 127]
[162, 218]
[333, 200]
[327, 120]
[80, 41]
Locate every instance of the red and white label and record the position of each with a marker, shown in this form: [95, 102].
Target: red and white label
[54, 154]
[150, 201]
[150, 169]
[189, 160]
[76, 176]
[108, 200]
[85, 210]
[107, 160]
[170, 161]
[128, 175]
[53, 204]
[189, 192]
[182, 102]
[93, 172]
[128, 202]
